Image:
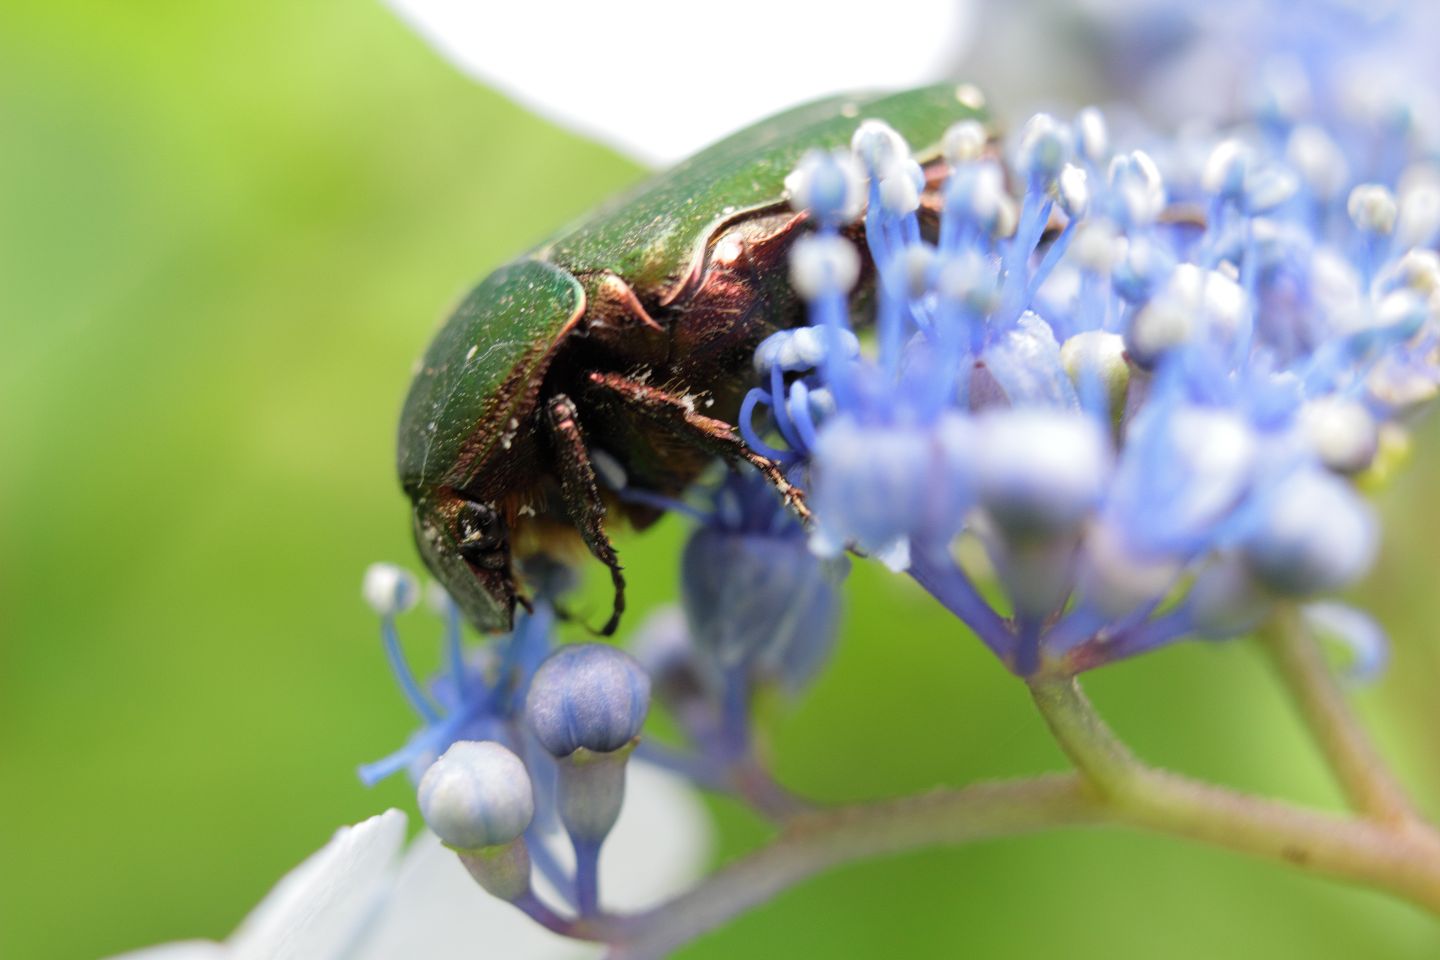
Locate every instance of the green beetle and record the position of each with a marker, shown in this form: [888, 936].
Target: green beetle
[624, 343]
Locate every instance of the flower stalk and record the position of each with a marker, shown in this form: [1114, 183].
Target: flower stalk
[1110, 787]
[1367, 782]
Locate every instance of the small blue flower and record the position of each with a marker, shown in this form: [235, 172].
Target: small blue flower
[479, 694]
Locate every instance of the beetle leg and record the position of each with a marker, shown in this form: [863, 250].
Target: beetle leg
[581, 493]
[678, 415]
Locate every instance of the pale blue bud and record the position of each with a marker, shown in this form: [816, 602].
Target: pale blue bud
[478, 794]
[587, 695]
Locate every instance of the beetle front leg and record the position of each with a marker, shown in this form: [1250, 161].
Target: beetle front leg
[678, 415]
[580, 490]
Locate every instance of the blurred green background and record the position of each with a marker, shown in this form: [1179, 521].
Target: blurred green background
[225, 231]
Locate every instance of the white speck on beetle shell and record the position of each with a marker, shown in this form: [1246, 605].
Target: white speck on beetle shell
[728, 251]
[470, 354]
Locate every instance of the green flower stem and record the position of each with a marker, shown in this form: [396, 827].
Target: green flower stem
[1403, 858]
[1112, 787]
[1368, 784]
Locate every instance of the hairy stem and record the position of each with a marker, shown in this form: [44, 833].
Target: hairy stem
[814, 842]
[1367, 782]
[1403, 859]
[751, 781]
[1112, 787]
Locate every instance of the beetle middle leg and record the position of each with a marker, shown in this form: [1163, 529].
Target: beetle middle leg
[678, 415]
[581, 492]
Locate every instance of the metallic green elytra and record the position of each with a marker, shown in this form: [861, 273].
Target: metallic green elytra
[616, 354]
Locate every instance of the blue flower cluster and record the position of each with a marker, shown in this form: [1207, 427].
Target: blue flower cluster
[518, 740]
[521, 738]
[1134, 387]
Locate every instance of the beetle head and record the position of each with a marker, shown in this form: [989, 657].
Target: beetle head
[467, 547]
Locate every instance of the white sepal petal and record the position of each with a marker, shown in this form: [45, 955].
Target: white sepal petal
[319, 909]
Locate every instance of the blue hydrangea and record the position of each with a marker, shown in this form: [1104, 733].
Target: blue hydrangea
[1141, 378]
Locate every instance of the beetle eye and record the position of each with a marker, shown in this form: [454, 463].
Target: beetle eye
[479, 534]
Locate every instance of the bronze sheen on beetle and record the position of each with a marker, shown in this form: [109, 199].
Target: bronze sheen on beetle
[627, 338]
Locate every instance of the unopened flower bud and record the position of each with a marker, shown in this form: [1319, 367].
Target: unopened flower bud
[1096, 246]
[1045, 148]
[1372, 208]
[919, 261]
[589, 696]
[1039, 472]
[1342, 433]
[1417, 270]
[1095, 361]
[963, 142]
[1317, 536]
[971, 280]
[586, 706]
[1140, 267]
[1138, 188]
[803, 348]
[1194, 302]
[1073, 191]
[898, 193]
[829, 186]
[1226, 169]
[389, 590]
[975, 194]
[1092, 139]
[478, 794]
[822, 265]
[878, 146]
